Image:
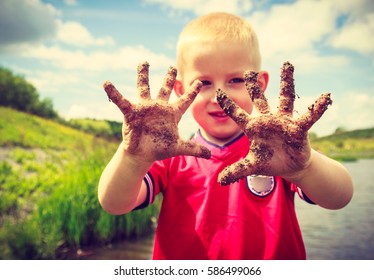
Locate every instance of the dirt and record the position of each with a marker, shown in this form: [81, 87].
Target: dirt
[287, 90]
[315, 111]
[164, 93]
[263, 130]
[255, 92]
[143, 81]
[150, 128]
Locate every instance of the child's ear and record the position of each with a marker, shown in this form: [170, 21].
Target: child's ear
[263, 80]
[178, 88]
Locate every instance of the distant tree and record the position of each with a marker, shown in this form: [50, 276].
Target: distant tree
[17, 93]
[116, 129]
[340, 130]
[104, 128]
[44, 108]
[312, 136]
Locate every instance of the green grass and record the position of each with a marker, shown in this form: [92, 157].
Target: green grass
[103, 128]
[347, 146]
[48, 189]
[28, 131]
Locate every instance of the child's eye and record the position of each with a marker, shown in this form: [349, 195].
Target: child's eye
[236, 81]
[206, 83]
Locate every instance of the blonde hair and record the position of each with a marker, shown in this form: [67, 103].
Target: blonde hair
[218, 27]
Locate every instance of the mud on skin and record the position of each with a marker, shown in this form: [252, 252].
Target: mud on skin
[292, 133]
[150, 127]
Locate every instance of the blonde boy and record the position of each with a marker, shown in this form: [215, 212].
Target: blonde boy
[250, 218]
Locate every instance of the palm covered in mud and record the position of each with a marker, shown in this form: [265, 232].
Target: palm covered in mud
[279, 143]
[150, 128]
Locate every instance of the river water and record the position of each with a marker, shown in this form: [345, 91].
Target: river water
[345, 234]
[348, 233]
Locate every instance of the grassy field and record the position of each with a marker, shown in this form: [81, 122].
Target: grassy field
[347, 146]
[48, 190]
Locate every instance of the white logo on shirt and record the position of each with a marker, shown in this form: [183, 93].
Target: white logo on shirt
[261, 185]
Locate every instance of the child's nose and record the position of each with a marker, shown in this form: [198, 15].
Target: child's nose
[213, 97]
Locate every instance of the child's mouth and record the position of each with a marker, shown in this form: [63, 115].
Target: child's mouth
[219, 115]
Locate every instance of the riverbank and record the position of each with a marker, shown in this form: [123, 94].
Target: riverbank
[48, 188]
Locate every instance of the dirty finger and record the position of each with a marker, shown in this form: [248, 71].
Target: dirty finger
[315, 111]
[114, 96]
[255, 92]
[167, 87]
[143, 81]
[287, 90]
[232, 109]
[187, 98]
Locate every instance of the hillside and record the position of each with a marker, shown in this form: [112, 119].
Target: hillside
[18, 129]
[48, 188]
[27, 131]
[21, 130]
[349, 145]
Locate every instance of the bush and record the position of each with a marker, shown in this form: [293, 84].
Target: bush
[17, 93]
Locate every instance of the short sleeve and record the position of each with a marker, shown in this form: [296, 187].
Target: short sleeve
[156, 181]
[301, 194]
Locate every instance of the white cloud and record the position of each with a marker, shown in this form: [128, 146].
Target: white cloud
[236, 7]
[312, 60]
[77, 112]
[53, 81]
[71, 2]
[102, 110]
[357, 35]
[24, 21]
[302, 31]
[200, 7]
[120, 58]
[289, 28]
[295, 29]
[355, 109]
[74, 33]
[291, 31]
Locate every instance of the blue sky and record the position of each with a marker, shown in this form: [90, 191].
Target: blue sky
[67, 49]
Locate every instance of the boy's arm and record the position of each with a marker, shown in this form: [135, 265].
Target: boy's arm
[325, 181]
[121, 186]
[280, 145]
[150, 133]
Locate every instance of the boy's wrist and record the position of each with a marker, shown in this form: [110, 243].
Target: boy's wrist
[299, 177]
[134, 159]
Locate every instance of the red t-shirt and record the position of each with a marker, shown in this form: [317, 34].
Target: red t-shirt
[200, 219]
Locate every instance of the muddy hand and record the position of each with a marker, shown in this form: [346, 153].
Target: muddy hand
[150, 128]
[279, 143]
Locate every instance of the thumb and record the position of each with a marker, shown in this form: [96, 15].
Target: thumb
[236, 171]
[190, 148]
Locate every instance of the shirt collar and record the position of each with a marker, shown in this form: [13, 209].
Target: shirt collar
[231, 147]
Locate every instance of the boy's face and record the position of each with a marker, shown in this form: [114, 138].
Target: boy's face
[217, 66]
